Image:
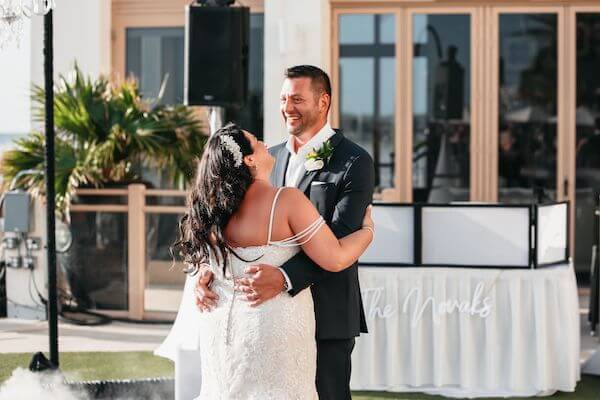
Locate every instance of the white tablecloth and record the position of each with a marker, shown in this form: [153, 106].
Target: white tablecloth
[469, 332]
[456, 332]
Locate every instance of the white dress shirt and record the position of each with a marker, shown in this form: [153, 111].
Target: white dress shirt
[295, 168]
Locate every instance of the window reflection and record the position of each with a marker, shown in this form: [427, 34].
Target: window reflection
[587, 149]
[441, 107]
[357, 29]
[368, 87]
[153, 56]
[527, 107]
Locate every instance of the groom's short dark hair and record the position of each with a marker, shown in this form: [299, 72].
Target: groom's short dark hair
[320, 79]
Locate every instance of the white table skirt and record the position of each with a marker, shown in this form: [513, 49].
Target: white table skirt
[524, 343]
[509, 332]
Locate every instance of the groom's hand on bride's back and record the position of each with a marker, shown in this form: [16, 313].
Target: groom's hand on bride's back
[263, 283]
[206, 299]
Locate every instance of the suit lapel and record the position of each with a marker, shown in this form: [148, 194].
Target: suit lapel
[306, 179]
[282, 160]
[309, 176]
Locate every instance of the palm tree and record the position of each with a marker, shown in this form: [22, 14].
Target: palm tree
[104, 130]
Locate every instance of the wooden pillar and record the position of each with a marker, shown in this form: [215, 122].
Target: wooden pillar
[136, 257]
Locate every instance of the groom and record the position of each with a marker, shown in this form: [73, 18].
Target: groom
[341, 190]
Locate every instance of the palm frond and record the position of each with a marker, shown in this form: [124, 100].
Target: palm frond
[103, 128]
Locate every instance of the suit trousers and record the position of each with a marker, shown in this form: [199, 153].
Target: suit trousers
[334, 368]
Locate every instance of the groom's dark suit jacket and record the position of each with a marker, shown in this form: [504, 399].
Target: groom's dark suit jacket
[341, 191]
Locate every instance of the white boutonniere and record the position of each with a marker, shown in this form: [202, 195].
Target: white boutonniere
[316, 159]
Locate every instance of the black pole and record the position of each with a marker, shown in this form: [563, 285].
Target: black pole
[50, 201]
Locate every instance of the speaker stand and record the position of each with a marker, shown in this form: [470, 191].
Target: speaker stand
[216, 117]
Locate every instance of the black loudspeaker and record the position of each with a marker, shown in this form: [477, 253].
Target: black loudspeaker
[216, 51]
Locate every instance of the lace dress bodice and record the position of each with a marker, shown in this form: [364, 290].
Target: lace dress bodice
[266, 352]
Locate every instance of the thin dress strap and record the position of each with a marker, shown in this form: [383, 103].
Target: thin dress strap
[299, 238]
[273, 213]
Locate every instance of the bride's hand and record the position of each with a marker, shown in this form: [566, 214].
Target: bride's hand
[206, 299]
[368, 220]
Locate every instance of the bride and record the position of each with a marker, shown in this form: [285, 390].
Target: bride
[236, 217]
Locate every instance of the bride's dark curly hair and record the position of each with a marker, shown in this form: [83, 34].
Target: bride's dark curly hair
[218, 191]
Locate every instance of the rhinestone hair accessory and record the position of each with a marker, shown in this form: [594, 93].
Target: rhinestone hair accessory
[231, 146]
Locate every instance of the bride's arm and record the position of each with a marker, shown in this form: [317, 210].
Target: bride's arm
[324, 248]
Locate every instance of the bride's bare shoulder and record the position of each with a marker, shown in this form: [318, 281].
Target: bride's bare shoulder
[293, 197]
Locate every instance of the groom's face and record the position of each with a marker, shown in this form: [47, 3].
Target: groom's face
[299, 105]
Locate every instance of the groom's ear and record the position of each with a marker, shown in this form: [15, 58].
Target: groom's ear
[324, 102]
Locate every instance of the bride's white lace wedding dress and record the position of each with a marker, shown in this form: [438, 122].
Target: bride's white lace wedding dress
[266, 352]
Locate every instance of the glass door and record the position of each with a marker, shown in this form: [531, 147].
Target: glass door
[527, 111]
[440, 63]
[366, 83]
[587, 135]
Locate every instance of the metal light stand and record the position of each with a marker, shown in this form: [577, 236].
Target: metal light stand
[50, 193]
[39, 362]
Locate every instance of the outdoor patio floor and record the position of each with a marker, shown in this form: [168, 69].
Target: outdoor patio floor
[27, 337]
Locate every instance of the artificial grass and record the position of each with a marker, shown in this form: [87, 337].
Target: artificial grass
[87, 366]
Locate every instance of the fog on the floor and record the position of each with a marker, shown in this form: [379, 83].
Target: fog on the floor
[26, 385]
